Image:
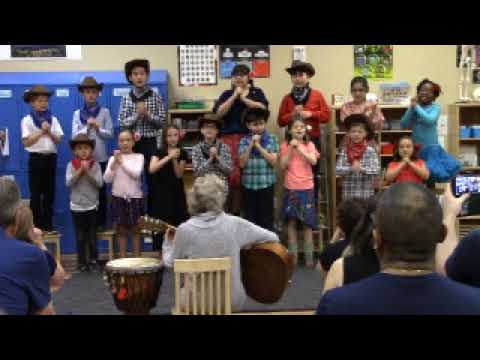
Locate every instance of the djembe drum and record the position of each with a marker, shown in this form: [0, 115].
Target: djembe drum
[135, 283]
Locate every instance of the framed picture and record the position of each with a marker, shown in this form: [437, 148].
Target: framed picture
[197, 65]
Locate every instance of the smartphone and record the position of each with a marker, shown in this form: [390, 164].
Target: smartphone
[462, 184]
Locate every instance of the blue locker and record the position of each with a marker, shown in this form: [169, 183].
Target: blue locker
[65, 100]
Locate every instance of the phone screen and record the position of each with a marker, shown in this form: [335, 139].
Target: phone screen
[466, 184]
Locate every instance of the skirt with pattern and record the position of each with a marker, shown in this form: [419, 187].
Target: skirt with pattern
[127, 212]
[300, 205]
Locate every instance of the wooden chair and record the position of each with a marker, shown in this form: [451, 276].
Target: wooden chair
[204, 270]
[54, 239]
[108, 236]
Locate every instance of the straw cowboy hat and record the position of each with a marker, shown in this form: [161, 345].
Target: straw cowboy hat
[82, 139]
[37, 90]
[90, 83]
[298, 65]
[129, 66]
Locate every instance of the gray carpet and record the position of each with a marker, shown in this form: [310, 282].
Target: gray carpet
[87, 294]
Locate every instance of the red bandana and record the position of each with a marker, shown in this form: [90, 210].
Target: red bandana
[77, 163]
[355, 151]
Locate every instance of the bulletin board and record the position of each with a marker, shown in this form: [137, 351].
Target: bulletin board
[197, 65]
[256, 57]
[374, 62]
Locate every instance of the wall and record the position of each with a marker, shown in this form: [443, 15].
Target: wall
[333, 63]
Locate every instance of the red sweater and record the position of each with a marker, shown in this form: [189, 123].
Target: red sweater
[315, 103]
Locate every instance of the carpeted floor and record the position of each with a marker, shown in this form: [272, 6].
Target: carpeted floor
[87, 294]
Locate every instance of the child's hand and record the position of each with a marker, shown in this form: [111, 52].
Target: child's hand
[413, 102]
[170, 233]
[2, 135]
[118, 156]
[137, 137]
[406, 160]
[298, 108]
[245, 93]
[141, 108]
[356, 167]
[174, 153]
[85, 166]
[45, 127]
[238, 91]
[213, 153]
[256, 139]
[294, 143]
[305, 114]
[92, 122]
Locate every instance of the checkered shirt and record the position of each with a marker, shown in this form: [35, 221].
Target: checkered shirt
[258, 173]
[359, 185]
[129, 119]
[202, 166]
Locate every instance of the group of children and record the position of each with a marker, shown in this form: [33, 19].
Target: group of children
[236, 147]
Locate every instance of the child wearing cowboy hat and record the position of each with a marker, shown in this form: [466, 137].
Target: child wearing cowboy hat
[84, 178]
[358, 163]
[94, 121]
[41, 133]
[143, 112]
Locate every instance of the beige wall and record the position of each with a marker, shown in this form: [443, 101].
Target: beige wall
[333, 63]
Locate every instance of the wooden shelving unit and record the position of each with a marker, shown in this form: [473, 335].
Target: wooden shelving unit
[392, 114]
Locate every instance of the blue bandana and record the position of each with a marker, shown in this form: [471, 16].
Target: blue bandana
[264, 141]
[40, 116]
[88, 112]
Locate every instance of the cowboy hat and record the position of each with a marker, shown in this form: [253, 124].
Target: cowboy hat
[37, 90]
[89, 82]
[209, 119]
[300, 66]
[82, 139]
[129, 66]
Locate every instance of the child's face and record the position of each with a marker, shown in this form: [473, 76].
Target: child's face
[83, 151]
[359, 93]
[173, 136]
[425, 95]
[405, 148]
[138, 77]
[90, 95]
[40, 103]
[300, 79]
[209, 131]
[257, 127]
[357, 133]
[298, 130]
[125, 142]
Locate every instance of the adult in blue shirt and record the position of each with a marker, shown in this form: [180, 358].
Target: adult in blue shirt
[24, 271]
[408, 227]
[230, 108]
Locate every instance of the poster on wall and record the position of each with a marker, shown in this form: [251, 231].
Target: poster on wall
[40, 52]
[374, 62]
[197, 65]
[256, 57]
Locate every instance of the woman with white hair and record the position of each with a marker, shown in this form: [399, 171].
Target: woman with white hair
[211, 233]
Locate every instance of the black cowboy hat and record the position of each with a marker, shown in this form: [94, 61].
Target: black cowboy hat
[300, 66]
[37, 90]
[82, 139]
[90, 83]
[209, 119]
[129, 66]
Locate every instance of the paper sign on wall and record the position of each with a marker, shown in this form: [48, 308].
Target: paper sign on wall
[4, 94]
[121, 91]
[62, 93]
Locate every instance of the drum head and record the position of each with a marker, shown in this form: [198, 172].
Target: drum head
[134, 265]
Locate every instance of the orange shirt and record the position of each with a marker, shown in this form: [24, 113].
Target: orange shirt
[299, 174]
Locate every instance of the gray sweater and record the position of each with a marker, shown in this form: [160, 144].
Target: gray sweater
[84, 189]
[210, 236]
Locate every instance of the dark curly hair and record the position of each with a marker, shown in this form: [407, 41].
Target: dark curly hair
[360, 80]
[349, 212]
[362, 234]
[437, 90]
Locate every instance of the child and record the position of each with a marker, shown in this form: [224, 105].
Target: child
[142, 111]
[168, 192]
[306, 103]
[359, 89]
[41, 133]
[358, 163]
[258, 156]
[406, 166]
[211, 156]
[124, 170]
[297, 156]
[96, 122]
[84, 178]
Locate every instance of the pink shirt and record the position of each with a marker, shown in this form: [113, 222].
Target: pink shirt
[126, 178]
[350, 108]
[299, 174]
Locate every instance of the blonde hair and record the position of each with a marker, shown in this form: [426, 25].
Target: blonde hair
[207, 195]
[24, 223]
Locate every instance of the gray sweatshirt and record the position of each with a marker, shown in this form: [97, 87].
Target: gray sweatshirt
[210, 236]
[84, 189]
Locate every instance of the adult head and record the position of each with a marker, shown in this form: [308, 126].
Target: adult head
[207, 195]
[349, 213]
[362, 234]
[10, 200]
[408, 226]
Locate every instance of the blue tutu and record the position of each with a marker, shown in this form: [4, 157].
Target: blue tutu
[442, 165]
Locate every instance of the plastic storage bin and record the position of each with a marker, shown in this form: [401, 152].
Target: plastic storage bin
[475, 131]
[466, 132]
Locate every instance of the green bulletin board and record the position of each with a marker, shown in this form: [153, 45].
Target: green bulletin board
[374, 62]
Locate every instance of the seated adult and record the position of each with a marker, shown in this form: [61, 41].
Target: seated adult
[26, 231]
[349, 212]
[361, 261]
[408, 227]
[211, 233]
[458, 260]
[24, 273]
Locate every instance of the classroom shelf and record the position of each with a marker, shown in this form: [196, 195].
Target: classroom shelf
[470, 140]
[190, 111]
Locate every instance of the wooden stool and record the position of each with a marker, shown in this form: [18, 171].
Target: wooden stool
[53, 239]
[107, 236]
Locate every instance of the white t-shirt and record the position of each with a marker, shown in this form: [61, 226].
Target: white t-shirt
[45, 144]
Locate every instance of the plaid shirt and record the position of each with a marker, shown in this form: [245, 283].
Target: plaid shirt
[203, 166]
[258, 173]
[129, 119]
[360, 185]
